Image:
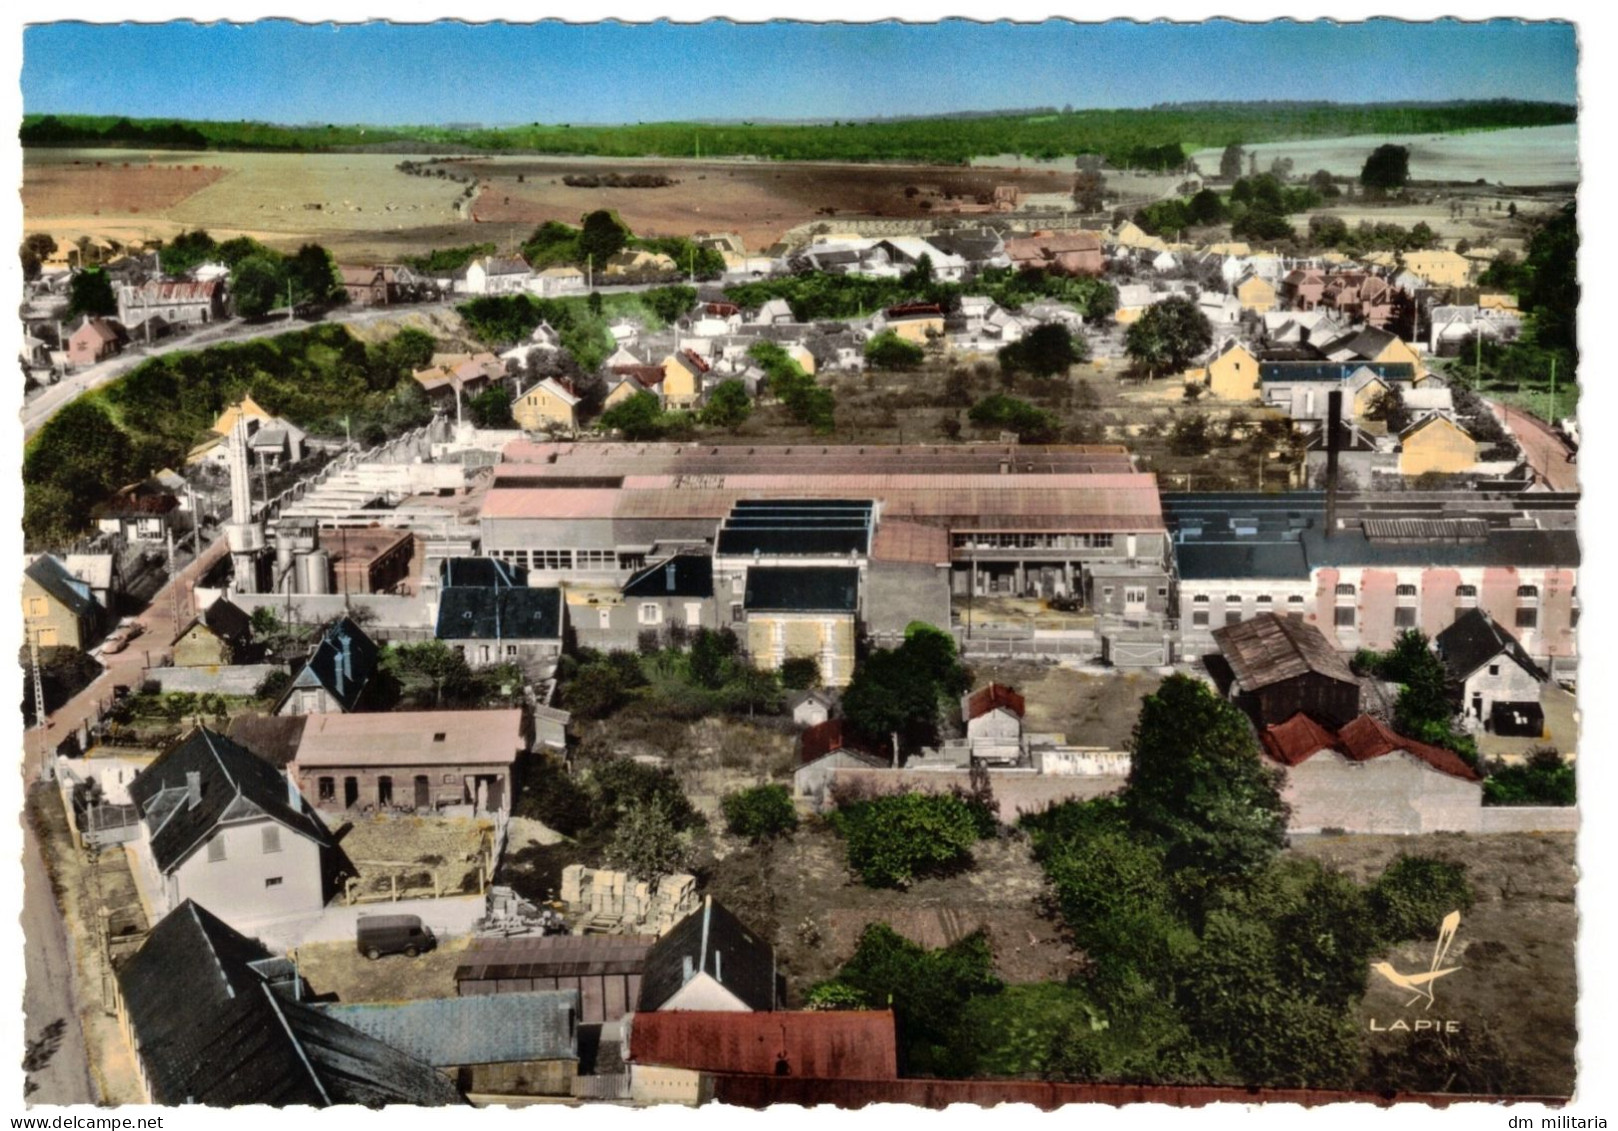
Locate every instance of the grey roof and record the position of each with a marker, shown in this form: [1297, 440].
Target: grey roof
[488, 573]
[53, 577]
[235, 784]
[273, 738]
[343, 663]
[683, 575]
[225, 620]
[1270, 649]
[802, 589]
[1364, 343]
[448, 1032]
[797, 526]
[210, 1029]
[555, 956]
[715, 942]
[467, 613]
[1476, 638]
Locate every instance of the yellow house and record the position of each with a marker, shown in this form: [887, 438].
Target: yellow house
[1257, 294]
[1364, 394]
[58, 609]
[1237, 248]
[219, 636]
[1440, 267]
[246, 407]
[548, 405]
[1496, 300]
[1436, 443]
[1233, 375]
[682, 378]
[806, 360]
[626, 387]
[634, 262]
[1131, 234]
[803, 611]
[1401, 352]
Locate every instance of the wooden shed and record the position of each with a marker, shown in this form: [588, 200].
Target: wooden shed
[605, 969]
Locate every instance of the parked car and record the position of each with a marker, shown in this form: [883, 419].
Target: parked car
[118, 639]
[377, 935]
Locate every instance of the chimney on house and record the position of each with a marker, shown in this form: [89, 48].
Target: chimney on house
[668, 576]
[294, 800]
[193, 788]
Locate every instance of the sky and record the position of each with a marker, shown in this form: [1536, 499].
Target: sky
[502, 73]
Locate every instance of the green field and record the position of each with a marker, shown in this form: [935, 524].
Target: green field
[1139, 137]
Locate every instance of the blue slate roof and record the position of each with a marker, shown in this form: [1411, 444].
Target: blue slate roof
[343, 663]
[1334, 371]
[797, 526]
[53, 577]
[487, 573]
[683, 575]
[478, 1029]
[802, 589]
[469, 613]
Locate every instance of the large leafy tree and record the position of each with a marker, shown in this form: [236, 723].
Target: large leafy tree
[647, 843]
[90, 294]
[639, 417]
[892, 840]
[900, 692]
[602, 237]
[728, 406]
[1387, 169]
[1168, 336]
[1230, 162]
[313, 276]
[256, 285]
[1048, 350]
[1199, 787]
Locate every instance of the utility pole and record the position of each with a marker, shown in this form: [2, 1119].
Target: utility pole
[289, 300]
[1555, 416]
[1477, 359]
[39, 696]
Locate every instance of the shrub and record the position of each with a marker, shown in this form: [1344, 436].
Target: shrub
[1413, 894]
[1546, 778]
[553, 798]
[799, 673]
[892, 840]
[759, 813]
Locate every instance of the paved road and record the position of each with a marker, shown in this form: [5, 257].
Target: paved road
[57, 1067]
[37, 411]
[1545, 451]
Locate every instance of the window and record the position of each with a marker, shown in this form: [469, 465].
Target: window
[1200, 599]
[1233, 599]
[449, 779]
[1295, 599]
[1404, 616]
[596, 559]
[1106, 591]
[553, 559]
[1345, 590]
[1406, 592]
[272, 882]
[1344, 617]
[1527, 617]
[1466, 593]
[511, 650]
[736, 612]
[1233, 616]
[1200, 617]
[37, 607]
[326, 789]
[1528, 592]
[272, 838]
[216, 848]
[1162, 590]
[738, 582]
[1494, 669]
[1573, 617]
[651, 613]
[1264, 599]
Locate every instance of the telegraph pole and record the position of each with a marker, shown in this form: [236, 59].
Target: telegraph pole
[39, 697]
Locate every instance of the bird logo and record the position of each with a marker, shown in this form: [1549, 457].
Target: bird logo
[1421, 984]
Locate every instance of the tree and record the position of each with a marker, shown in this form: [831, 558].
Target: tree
[1048, 350]
[255, 285]
[602, 237]
[894, 839]
[551, 795]
[1387, 169]
[1089, 192]
[728, 406]
[799, 673]
[638, 417]
[595, 690]
[1032, 425]
[35, 249]
[1421, 237]
[1168, 336]
[432, 662]
[1323, 183]
[1230, 162]
[1207, 208]
[1546, 778]
[1413, 894]
[712, 654]
[90, 295]
[1261, 222]
[1198, 785]
[888, 350]
[313, 276]
[647, 844]
[899, 692]
[759, 813]
[491, 409]
[621, 784]
[1388, 406]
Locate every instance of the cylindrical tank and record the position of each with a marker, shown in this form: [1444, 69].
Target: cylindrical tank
[314, 572]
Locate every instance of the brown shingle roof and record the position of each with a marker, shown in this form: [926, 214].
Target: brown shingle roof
[1270, 648]
[1301, 737]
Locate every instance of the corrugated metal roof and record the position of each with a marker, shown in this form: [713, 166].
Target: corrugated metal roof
[910, 542]
[854, 1045]
[554, 956]
[478, 1029]
[411, 738]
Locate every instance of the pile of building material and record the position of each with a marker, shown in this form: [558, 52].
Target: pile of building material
[616, 903]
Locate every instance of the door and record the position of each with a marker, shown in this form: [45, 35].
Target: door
[423, 798]
[384, 791]
[495, 798]
[351, 792]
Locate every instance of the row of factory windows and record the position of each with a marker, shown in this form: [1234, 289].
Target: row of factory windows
[1345, 615]
[1025, 541]
[570, 559]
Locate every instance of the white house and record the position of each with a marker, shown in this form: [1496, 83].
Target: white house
[225, 828]
[493, 275]
[1491, 669]
[709, 961]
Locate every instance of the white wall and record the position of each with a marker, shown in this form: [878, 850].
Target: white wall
[1396, 794]
[235, 888]
[703, 994]
[1512, 685]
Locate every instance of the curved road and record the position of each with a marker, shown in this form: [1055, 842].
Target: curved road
[1546, 452]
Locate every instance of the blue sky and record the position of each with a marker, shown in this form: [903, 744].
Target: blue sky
[554, 72]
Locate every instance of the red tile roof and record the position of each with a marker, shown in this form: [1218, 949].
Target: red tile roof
[1300, 738]
[820, 740]
[916, 310]
[833, 1045]
[991, 698]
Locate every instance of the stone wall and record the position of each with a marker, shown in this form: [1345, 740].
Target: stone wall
[216, 679]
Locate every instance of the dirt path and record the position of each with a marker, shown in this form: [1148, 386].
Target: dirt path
[1545, 451]
[57, 1067]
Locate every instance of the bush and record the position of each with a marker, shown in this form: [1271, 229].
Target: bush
[892, 840]
[550, 796]
[888, 350]
[1413, 894]
[759, 813]
[799, 673]
[622, 783]
[1546, 778]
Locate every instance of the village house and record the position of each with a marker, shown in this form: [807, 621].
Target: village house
[1223, 312]
[1436, 443]
[1232, 374]
[993, 717]
[563, 279]
[225, 828]
[710, 961]
[93, 340]
[1376, 346]
[101, 572]
[1277, 665]
[810, 708]
[336, 675]
[543, 339]
[1256, 293]
[140, 512]
[683, 371]
[1496, 684]
[1362, 778]
[221, 634]
[550, 405]
[427, 762]
[198, 993]
[501, 625]
[383, 285]
[823, 749]
[272, 441]
[808, 611]
[1065, 253]
[917, 322]
[490, 1045]
[453, 378]
[1451, 327]
[493, 275]
[625, 384]
[1439, 266]
[669, 596]
[59, 610]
